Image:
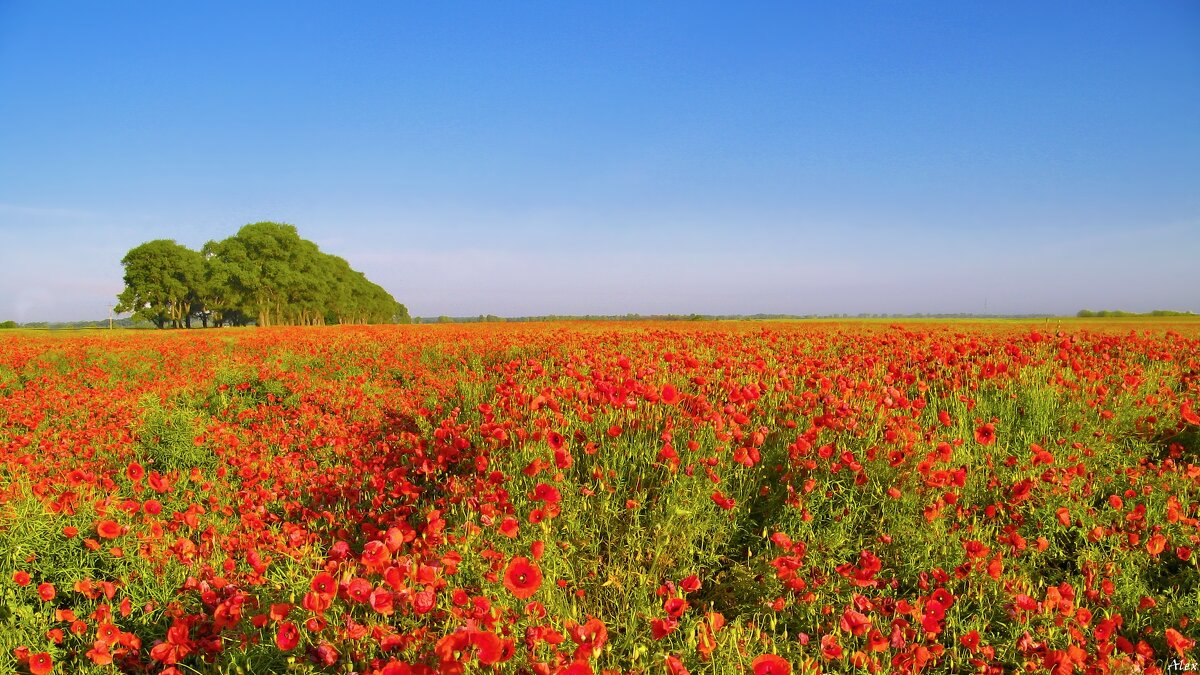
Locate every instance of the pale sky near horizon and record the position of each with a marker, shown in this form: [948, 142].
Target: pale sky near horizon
[604, 158]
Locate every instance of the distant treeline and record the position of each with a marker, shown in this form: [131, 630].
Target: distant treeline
[1109, 313]
[127, 322]
[264, 275]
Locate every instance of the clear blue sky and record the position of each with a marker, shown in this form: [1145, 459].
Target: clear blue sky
[535, 158]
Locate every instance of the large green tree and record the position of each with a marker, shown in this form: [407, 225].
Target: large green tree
[162, 283]
[266, 273]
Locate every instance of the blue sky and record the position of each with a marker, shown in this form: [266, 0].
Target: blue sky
[537, 158]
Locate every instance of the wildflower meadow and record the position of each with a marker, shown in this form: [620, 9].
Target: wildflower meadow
[574, 498]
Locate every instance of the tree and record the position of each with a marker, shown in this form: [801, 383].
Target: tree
[161, 282]
[267, 271]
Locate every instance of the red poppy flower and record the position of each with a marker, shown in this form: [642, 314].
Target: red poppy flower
[522, 578]
[41, 664]
[324, 584]
[1188, 415]
[855, 623]
[985, 434]
[134, 471]
[669, 395]
[359, 589]
[723, 501]
[546, 493]
[555, 440]
[509, 526]
[675, 607]
[1156, 545]
[21, 578]
[287, 637]
[770, 664]
[108, 529]
[1177, 641]
[575, 668]
[1064, 516]
[675, 666]
[660, 628]
[46, 592]
[590, 636]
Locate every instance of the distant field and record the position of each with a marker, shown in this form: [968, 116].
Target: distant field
[879, 495]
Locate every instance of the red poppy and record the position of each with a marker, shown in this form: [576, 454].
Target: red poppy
[546, 493]
[660, 628]
[489, 648]
[287, 637]
[522, 578]
[555, 440]
[575, 668]
[1188, 415]
[675, 607]
[134, 471]
[590, 636]
[46, 592]
[1177, 641]
[1064, 516]
[770, 664]
[669, 395]
[324, 584]
[675, 666]
[21, 578]
[1156, 545]
[41, 664]
[985, 434]
[723, 501]
[108, 529]
[359, 589]
[509, 526]
[855, 623]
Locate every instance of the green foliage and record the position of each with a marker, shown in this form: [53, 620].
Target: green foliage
[8, 324]
[166, 438]
[264, 274]
[161, 278]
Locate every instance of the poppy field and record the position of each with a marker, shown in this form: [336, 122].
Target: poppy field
[578, 498]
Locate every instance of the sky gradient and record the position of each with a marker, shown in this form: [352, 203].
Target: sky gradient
[599, 158]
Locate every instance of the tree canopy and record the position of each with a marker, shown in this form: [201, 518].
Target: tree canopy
[265, 274]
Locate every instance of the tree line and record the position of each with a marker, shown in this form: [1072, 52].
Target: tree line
[266, 274]
[1117, 313]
